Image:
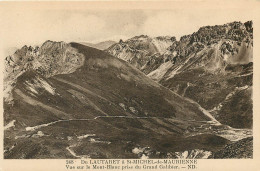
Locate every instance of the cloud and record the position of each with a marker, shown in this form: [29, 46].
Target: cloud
[130, 28]
[31, 27]
[165, 23]
[80, 27]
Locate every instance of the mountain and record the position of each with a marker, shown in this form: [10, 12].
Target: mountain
[50, 59]
[213, 66]
[139, 50]
[73, 101]
[101, 45]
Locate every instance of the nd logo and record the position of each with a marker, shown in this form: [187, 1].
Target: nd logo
[191, 167]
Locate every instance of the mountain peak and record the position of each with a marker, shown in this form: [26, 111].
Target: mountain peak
[141, 37]
[49, 43]
[172, 38]
[50, 59]
[139, 50]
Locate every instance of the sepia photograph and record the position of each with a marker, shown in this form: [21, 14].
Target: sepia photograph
[127, 83]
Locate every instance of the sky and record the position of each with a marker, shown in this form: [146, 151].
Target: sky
[35, 26]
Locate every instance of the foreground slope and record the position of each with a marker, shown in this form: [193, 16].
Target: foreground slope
[240, 149]
[105, 105]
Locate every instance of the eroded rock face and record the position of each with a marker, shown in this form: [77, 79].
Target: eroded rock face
[211, 47]
[50, 59]
[138, 50]
[217, 74]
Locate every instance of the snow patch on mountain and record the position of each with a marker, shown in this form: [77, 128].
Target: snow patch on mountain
[39, 134]
[158, 74]
[162, 44]
[86, 136]
[38, 84]
[10, 125]
[193, 154]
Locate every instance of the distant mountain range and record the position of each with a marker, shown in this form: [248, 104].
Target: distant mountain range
[101, 45]
[140, 98]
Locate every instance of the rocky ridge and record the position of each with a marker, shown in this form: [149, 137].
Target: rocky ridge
[50, 59]
[212, 66]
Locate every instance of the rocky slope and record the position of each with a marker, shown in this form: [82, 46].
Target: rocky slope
[212, 66]
[237, 150]
[140, 49]
[50, 59]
